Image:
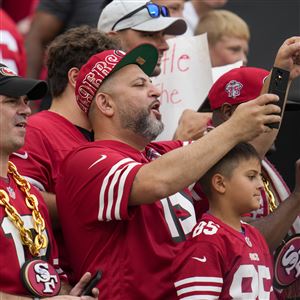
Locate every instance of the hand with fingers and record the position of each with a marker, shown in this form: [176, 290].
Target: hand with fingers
[288, 57]
[251, 118]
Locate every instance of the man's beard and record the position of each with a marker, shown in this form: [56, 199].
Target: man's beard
[141, 123]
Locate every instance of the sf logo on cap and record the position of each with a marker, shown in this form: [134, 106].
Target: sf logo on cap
[233, 88]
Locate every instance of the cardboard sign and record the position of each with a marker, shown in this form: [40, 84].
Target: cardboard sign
[185, 79]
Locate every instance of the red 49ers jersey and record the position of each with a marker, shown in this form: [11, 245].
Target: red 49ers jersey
[13, 254]
[133, 246]
[222, 263]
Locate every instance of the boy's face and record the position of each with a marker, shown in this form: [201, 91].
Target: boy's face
[243, 187]
[229, 50]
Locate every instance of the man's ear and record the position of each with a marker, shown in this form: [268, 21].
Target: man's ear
[218, 183]
[72, 76]
[227, 110]
[104, 104]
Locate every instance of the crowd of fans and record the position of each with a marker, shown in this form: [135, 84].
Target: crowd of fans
[85, 186]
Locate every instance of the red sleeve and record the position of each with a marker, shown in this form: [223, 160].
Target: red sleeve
[105, 179]
[34, 160]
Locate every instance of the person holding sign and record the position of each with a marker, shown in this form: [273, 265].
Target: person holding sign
[140, 21]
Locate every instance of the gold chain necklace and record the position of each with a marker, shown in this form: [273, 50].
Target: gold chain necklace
[270, 194]
[40, 240]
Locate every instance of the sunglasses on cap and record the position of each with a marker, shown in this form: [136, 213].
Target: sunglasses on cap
[154, 11]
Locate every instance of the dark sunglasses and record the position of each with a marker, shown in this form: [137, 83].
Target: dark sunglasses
[154, 11]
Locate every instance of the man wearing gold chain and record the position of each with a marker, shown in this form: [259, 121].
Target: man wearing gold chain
[28, 258]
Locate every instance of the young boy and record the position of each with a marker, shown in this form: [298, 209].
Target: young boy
[228, 37]
[227, 258]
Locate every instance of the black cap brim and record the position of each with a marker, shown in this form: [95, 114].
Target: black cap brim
[17, 86]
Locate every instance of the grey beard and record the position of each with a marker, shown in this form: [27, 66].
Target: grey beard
[143, 125]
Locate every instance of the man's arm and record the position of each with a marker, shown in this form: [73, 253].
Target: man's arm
[191, 125]
[50, 200]
[286, 60]
[178, 169]
[44, 28]
[275, 226]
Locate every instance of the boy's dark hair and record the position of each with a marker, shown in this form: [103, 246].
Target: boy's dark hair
[71, 49]
[228, 163]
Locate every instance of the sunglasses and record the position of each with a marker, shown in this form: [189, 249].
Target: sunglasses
[154, 11]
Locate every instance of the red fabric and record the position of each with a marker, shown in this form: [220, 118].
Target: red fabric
[222, 263]
[133, 246]
[12, 50]
[49, 137]
[18, 10]
[13, 253]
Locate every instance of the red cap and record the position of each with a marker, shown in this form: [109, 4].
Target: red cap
[101, 65]
[237, 86]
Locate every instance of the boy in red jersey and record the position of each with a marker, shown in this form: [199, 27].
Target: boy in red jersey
[227, 258]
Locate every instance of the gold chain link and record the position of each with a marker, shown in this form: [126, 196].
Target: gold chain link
[40, 240]
[270, 194]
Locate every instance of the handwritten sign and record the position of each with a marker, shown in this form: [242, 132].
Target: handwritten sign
[185, 79]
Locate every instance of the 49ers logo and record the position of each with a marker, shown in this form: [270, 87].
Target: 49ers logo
[287, 262]
[233, 88]
[40, 278]
[4, 71]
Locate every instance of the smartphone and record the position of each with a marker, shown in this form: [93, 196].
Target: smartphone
[278, 85]
[87, 291]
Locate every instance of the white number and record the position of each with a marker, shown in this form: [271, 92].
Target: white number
[179, 227]
[12, 232]
[257, 282]
[209, 228]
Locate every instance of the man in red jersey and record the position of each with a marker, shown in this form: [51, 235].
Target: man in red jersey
[51, 134]
[28, 258]
[123, 201]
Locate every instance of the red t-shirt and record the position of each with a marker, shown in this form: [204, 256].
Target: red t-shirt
[133, 246]
[49, 137]
[222, 263]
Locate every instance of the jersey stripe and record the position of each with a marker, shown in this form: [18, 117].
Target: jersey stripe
[105, 183]
[199, 288]
[198, 279]
[116, 177]
[200, 297]
[121, 189]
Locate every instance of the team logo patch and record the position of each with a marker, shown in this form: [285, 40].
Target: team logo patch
[287, 262]
[40, 278]
[7, 72]
[233, 88]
